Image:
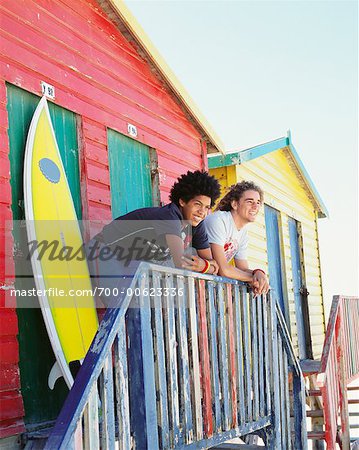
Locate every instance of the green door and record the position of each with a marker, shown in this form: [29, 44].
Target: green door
[130, 164]
[36, 355]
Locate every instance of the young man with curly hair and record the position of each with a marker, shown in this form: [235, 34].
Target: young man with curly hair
[227, 234]
[157, 234]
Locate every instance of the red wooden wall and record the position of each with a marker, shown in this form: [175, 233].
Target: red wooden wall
[97, 74]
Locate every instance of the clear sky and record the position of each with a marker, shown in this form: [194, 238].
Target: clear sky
[258, 68]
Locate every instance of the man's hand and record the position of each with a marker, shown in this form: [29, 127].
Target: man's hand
[197, 264]
[214, 267]
[260, 283]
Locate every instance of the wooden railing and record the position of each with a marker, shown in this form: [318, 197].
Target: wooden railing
[340, 366]
[191, 370]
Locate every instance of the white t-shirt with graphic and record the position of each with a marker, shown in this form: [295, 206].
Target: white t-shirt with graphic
[222, 230]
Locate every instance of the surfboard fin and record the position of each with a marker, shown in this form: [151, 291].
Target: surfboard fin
[54, 375]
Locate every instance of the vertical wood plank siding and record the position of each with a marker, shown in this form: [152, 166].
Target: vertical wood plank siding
[100, 76]
[283, 190]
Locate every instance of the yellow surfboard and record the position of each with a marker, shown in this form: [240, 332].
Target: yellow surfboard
[60, 269]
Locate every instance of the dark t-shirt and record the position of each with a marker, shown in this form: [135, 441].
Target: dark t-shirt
[153, 224]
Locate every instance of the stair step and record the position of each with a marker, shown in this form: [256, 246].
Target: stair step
[356, 425]
[312, 413]
[314, 392]
[353, 388]
[353, 414]
[315, 413]
[353, 401]
[310, 366]
[316, 435]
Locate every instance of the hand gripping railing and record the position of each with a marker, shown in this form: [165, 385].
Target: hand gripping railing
[340, 366]
[185, 371]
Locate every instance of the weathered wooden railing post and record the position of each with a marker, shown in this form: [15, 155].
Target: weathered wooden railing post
[142, 382]
[274, 438]
[300, 430]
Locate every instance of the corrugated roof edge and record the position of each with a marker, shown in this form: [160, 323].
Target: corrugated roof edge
[128, 25]
[232, 158]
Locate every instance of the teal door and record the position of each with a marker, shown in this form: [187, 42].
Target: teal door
[275, 265]
[36, 355]
[130, 164]
[300, 297]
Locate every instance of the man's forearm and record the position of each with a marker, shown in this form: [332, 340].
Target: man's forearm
[237, 274]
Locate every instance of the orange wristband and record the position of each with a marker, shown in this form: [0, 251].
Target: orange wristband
[206, 267]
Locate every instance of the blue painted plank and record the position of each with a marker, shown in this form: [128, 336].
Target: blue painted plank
[254, 360]
[121, 386]
[297, 281]
[171, 352]
[275, 263]
[281, 392]
[288, 439]
[148, 365]
[246, 353]
[300, 430]
[223, 357]
[275, 441]
[107, 405]
[213, 316]
[160, 357]
[239, 353]
[196, 377]
[266, 325]
[185, 388]
[259, 302]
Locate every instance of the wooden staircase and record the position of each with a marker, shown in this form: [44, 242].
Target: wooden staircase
[318, 413]
[332, 399]
[332, 376]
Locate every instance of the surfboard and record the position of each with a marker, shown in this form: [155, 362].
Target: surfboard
[62, 280]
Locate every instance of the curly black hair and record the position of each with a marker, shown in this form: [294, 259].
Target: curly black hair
[191, 184]
[235, 193]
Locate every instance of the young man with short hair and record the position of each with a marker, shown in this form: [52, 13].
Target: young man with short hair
[227, 234]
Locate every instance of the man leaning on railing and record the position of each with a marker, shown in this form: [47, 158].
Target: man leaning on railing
[227, 233]
[157, 234]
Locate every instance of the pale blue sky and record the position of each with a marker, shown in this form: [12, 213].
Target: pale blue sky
[258, 68]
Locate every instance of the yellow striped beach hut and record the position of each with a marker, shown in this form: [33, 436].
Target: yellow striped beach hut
[284, 239]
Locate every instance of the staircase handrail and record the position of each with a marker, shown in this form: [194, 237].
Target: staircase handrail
[339, 366]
